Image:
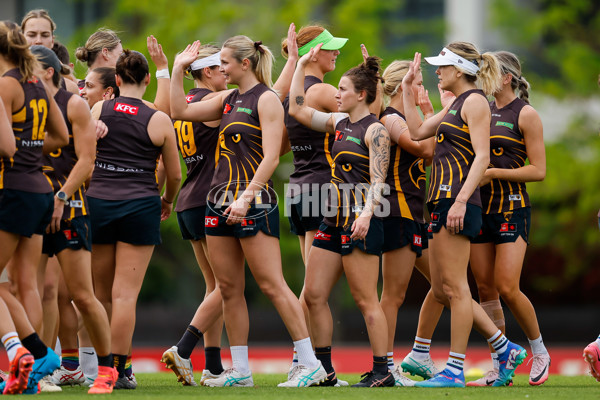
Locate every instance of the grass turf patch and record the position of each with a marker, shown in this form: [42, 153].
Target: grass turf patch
[165, 386]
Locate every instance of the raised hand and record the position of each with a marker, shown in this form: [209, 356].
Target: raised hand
[446, 96]
[310, 56]
[423, 101]
[156, 53]
[187, 56]
[413, 70]
[365, 53]
[292, 44]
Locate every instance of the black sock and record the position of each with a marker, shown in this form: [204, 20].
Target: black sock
[120, 360]
[380, 365]
[105, 361]
[188, 341]
[212, 361]
[323, 354]
[36, 347]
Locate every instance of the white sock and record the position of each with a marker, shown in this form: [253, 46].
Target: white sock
[11, 343]
[306, 354]
[537, 346]
[420, 350]
[499, 342]
[239, 357]
[58, 348]
[495, 362]
[295, 357]
[88, 359]
[390, 358]
[456, 363]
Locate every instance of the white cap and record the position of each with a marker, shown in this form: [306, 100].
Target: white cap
[447, 57]
[210, 61]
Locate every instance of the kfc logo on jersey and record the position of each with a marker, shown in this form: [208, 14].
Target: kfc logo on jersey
[338, 136]
[506, 227]
[211, 222]
[228, 108]
[322, 236]
[417, 240]
[189, 98]
[346, 239]
[126, 108]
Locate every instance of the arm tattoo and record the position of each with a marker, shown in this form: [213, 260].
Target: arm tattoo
[300, 100]
[379, 161]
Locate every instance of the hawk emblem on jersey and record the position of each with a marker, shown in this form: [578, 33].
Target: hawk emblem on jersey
[498, 151]
[508, 215]
[417, 170]
[228, 108]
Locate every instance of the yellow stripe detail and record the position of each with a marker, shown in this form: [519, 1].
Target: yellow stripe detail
[449, 194]
[240, 123]
[507, 138]
[326, 148]
[19, 116]
[469, 151]
[404, 210]
[459, 167]
[464, 128]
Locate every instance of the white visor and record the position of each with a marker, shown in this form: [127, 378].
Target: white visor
[209, 61]
[447, 57]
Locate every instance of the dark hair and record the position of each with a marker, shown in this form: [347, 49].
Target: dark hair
[61, 52]
[366, 77]
[15, 48]
[132, 67]
[106, 76]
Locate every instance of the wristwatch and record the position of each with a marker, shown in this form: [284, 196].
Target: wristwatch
[62, 196]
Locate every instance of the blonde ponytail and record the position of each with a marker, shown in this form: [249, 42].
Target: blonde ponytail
[488, 78]
[15, 48]
[259, 55]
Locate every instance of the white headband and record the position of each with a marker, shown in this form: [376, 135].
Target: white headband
[447, 57]
[209, 61]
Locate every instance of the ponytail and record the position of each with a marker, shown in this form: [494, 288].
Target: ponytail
[259, 55]
[489, 75]
[15, 48]
[509, 64]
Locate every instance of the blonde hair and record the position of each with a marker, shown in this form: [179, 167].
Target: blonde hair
[393, 75]
[259, 55]
[103, 38]
[15, 48]
[204, 51]
[39, 13]
[305, 35]
[510, 64]
[489, 75]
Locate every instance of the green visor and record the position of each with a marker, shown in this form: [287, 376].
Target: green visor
[329, 43]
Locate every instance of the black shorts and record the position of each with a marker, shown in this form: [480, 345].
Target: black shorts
[25, 213]
[304, 212]
[426, 235]
[439, 212]
[74, 234]
[505, 227]
[135, 221]
[264, 218]
[191, 223]
[337, 239]
[399, 232]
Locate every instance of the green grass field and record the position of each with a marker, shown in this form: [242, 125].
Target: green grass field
[165, 386]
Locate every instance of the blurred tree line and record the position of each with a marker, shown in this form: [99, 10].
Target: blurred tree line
[558, 42]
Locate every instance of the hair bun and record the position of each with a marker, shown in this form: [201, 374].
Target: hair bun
[82, 54]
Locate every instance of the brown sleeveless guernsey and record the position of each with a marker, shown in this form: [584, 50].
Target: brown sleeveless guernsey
[351, 176]
[23, 171]
[126, 158]
[197, 145]
[406, 180]
[58, 164]
[453, 154]
[240, 149]
[311, 149]
[507, 150]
